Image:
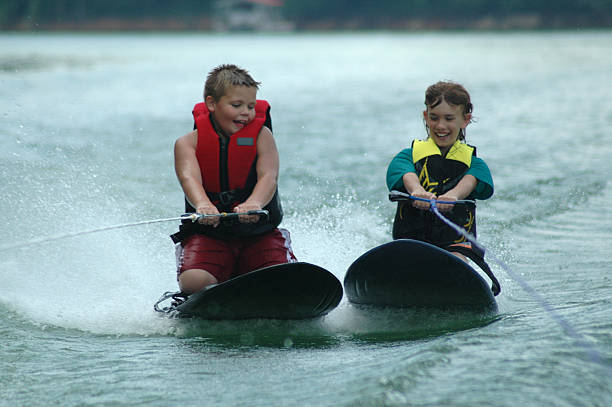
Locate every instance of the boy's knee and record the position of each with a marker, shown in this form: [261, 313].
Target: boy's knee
[191, 281]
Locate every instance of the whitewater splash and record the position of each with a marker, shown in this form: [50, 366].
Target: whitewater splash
[106, 282]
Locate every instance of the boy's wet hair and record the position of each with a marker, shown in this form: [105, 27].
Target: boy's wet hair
[224, 76]
[451, 93]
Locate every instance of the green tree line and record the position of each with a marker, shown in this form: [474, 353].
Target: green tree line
[446, 8]
[16, 14]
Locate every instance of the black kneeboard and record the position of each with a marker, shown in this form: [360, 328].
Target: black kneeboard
[410, 273]
[285, 291]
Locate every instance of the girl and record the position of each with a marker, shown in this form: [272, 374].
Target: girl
[442, 167]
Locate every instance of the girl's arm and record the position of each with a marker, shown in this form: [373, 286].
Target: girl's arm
[414, 188]
[461, 191]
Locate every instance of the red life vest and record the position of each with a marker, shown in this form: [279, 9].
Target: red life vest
[237, 164]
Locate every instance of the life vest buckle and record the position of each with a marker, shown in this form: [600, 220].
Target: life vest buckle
[227, 197]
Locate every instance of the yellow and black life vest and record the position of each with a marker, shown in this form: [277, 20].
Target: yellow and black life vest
[437, 174]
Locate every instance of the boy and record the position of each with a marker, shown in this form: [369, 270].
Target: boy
[229, 163]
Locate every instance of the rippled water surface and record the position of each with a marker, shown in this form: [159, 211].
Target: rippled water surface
[86, 136]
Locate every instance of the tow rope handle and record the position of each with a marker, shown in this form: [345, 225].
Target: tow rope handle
[395, 196]
[224, 215]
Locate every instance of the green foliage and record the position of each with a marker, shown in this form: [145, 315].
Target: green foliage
[19, 13]
[14, 12]
[337, 9]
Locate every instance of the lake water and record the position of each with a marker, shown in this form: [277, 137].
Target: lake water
[86, 137]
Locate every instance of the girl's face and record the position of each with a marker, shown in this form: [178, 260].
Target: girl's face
[444, 123]
[235, 109]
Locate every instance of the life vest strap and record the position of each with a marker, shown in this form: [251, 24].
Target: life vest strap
[226, 198]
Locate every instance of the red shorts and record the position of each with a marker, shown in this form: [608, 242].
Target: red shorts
[225, 259]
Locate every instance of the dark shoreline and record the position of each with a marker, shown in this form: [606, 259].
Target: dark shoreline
[484, 23]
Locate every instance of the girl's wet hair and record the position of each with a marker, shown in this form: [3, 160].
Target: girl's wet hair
[220, 79]
[451, 93]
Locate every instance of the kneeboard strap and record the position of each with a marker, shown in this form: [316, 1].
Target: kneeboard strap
[477, 258]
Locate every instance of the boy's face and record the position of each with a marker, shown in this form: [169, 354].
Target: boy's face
[235, 109]
[444, 122]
